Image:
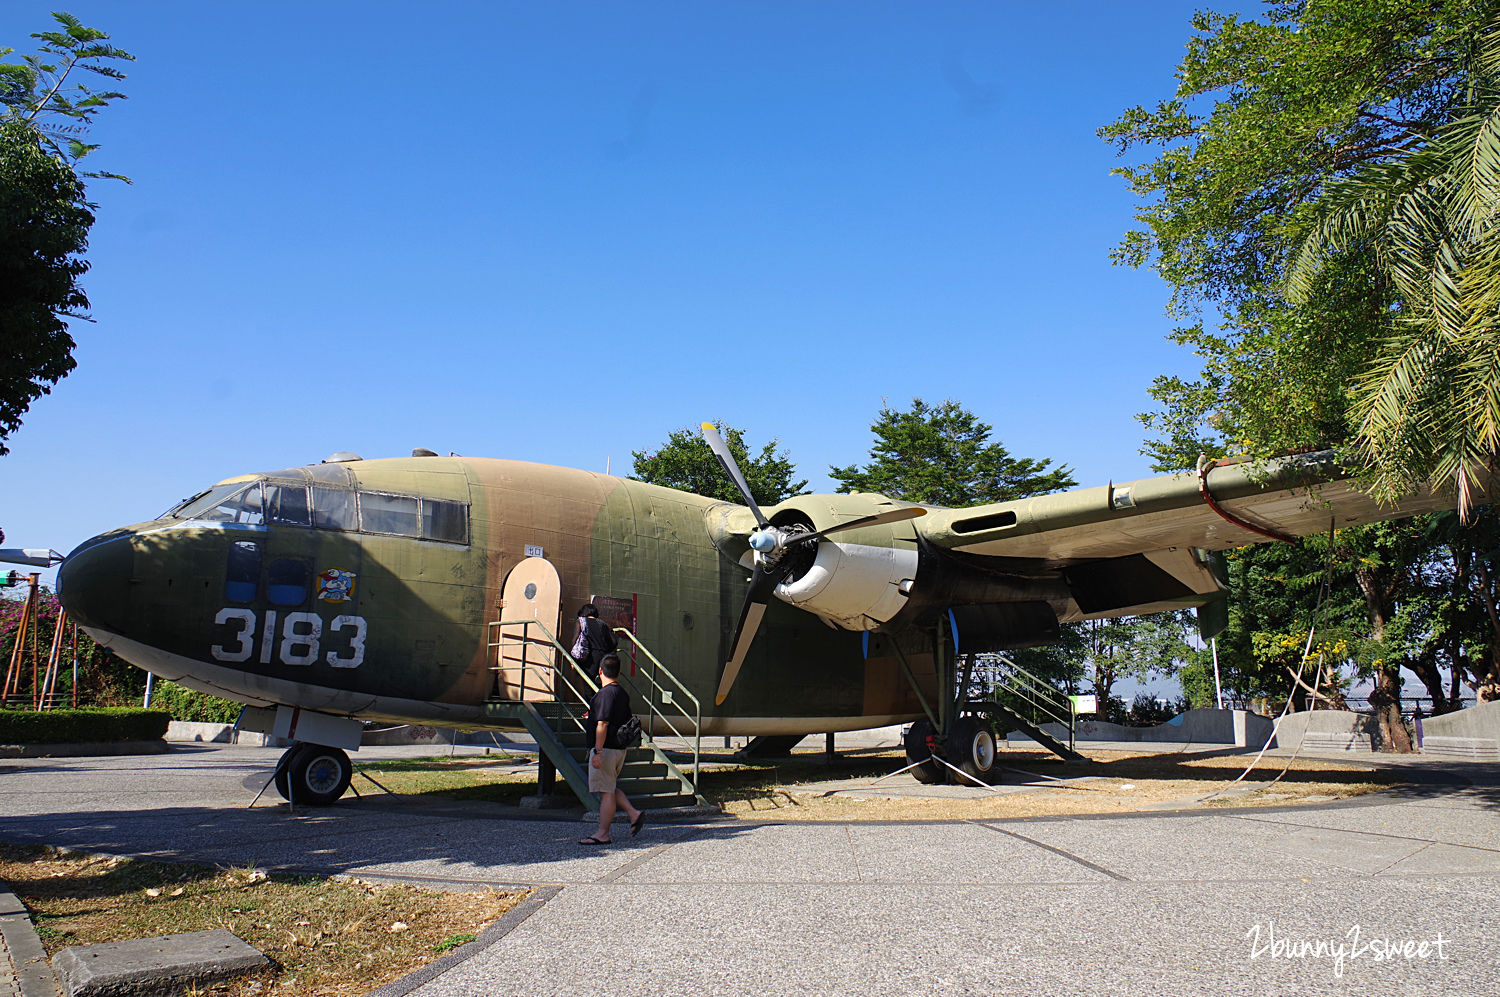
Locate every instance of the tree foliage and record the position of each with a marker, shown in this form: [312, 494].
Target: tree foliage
[44, 225]
[685, 462]
[43, 93]
[1269, 119]
[942, 455]
[1324, 182]
[44, 216]
[1428, 407]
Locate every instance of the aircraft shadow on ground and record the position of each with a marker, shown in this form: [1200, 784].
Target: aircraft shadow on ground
[348, 837]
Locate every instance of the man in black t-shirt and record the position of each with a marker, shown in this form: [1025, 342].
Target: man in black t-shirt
[609, 708]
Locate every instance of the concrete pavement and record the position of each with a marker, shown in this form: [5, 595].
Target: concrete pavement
[1390, 895]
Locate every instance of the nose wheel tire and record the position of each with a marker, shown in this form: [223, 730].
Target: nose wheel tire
[313, 774]
[971, 746]
[919, 746]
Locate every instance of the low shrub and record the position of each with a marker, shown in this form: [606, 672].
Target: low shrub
[110, 723]
[192, 706]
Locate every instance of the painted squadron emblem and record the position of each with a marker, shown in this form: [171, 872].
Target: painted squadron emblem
[336, 585]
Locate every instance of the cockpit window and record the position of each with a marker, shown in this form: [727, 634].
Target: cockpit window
[327, 506]
[333, 509]
[203, 500]
[234, 503]
[286, 504]
[242, 572]
[381, 513]
[447, 521]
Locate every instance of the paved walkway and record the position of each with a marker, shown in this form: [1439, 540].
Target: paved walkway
[1217, 902]
[10, 985]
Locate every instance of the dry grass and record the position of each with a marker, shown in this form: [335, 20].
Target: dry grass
[1118, 782]
[491, 778]
[324, 937]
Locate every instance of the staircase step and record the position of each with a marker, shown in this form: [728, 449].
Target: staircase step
[663, 801]
[650, 787]
[634, 756]
[644, 770]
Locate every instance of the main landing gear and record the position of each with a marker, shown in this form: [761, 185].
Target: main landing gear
[312, 774]
[969, 746]
[955, 741]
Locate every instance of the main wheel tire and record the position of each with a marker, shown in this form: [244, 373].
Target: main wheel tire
[283, 766]
[971, 745]
[317, 775]
[920, 745]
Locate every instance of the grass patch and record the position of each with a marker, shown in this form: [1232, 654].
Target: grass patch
[495, 779]
[325, 937]
[488, 778]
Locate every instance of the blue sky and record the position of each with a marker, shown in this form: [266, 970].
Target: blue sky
[558, 231]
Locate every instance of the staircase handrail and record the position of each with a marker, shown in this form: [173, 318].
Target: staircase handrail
[552, 669]
[1041, 696]
[682, 688]
[562, 673]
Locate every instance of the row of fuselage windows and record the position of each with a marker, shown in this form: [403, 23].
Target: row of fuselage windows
[325, 508]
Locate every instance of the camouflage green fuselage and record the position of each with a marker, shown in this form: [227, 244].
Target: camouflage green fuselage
[386, 613]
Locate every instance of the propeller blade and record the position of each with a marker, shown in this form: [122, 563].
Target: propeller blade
[726, 461]
[762, 584]
[893, 516]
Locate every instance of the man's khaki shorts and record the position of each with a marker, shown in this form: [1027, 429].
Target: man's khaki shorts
[602, 779]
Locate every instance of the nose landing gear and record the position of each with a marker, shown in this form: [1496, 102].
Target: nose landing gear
[313, 774]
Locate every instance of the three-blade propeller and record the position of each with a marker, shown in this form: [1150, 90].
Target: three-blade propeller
[771, 544]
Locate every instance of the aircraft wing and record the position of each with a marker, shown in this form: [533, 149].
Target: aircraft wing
[1233, 505]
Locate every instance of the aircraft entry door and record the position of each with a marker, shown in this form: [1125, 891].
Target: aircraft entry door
[532, 591]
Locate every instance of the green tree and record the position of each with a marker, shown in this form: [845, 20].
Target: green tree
[42, 92]
[1323, 179]
[1137, 647]
[685, 462]
[1268, 117]
[1428, 408]
[44, 216]
[942, 455]
[44, 225]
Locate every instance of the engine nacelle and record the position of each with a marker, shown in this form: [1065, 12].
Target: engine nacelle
[855, 579]
[854, 586]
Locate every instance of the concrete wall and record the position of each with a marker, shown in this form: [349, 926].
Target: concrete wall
[1324, 730]
[1228, 727]
[1473, 734]
[179, 730]
[1482, 720]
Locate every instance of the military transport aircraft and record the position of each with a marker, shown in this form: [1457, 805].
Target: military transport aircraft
[354, 589]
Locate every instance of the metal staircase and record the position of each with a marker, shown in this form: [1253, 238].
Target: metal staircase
[550, 702]
[1030, 695]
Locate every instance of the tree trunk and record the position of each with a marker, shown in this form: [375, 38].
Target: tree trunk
[1385, 698]
[1427, 670]
[1487, 683]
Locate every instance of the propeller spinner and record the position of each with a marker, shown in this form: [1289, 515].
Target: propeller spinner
[772, 544]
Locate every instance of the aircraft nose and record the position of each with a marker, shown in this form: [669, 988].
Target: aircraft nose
[94, 581]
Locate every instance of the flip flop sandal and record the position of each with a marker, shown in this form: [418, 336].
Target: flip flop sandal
[635, 825]
[591, 840]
